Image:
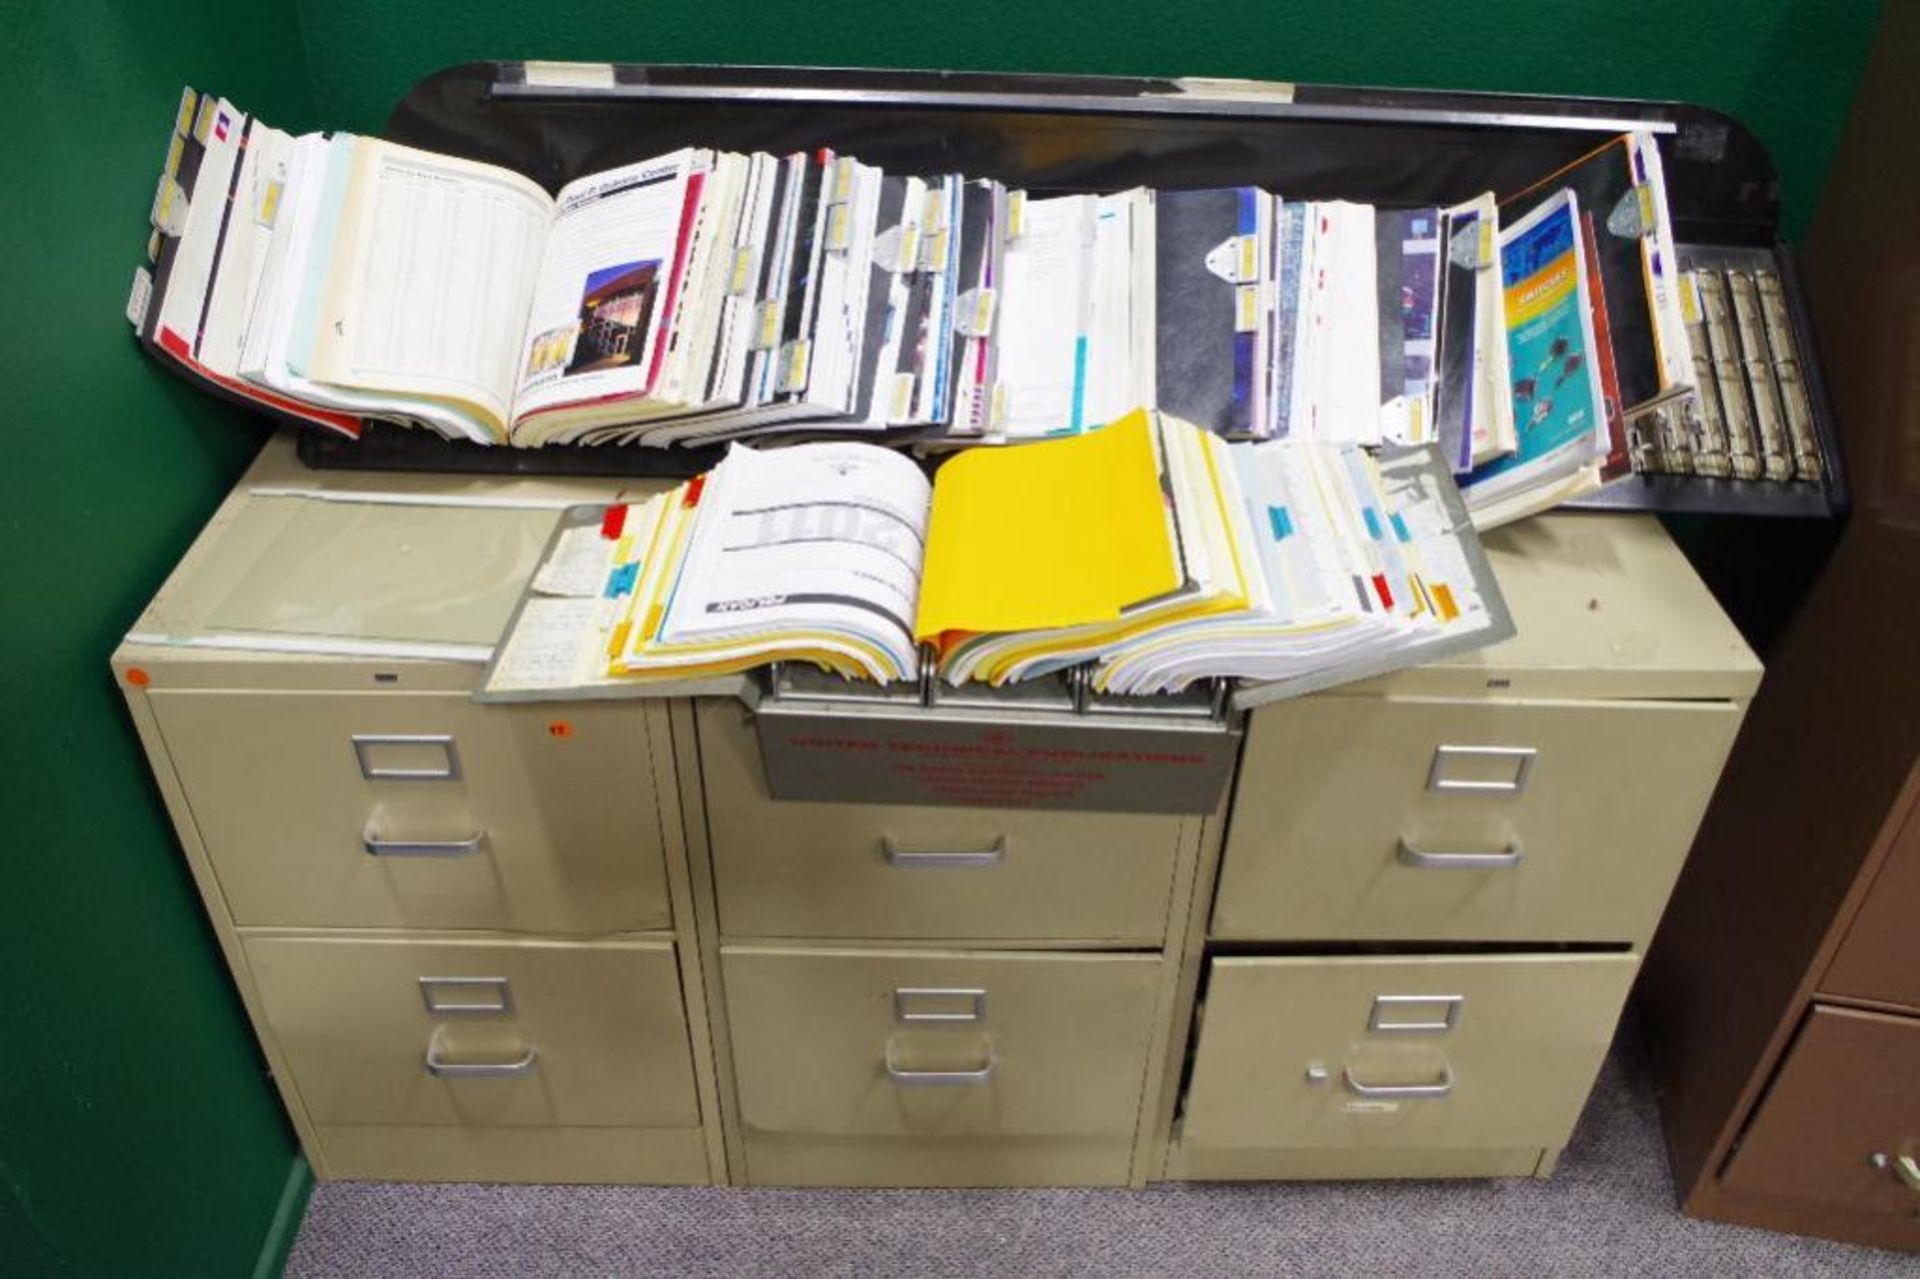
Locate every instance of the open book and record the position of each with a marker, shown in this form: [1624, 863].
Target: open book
[1151, 551]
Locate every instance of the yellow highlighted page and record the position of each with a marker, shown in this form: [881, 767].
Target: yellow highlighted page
[1058, 533]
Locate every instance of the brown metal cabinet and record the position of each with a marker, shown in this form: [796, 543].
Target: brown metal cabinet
[1783, 992]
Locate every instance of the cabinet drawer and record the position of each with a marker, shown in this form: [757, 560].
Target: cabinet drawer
[421, 810]
[1413, 1053]
[1416, 820]
[481, 1034]
[1844, 1094]
[871, 871]
[939, 1050]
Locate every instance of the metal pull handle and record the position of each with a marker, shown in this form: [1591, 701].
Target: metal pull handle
[932, 858]
[1394, 1013]
[362, 752]
[1907, 1169]
[1438, 1088]
[1521, 757]
[377, 847]
[439, 995]
[1425, 860]
[443, 1069]
[940, 1078]
[903, 997]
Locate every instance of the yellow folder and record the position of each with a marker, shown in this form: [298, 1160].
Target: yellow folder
[1058, 533]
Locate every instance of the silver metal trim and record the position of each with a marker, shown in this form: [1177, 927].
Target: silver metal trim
[443, 1069]
[933, 858]
[377, 847]
[1384, 1004]
[361, 741]
[500, 985]
[1438, 1088]
[1421, 859]
[940, 1078]
[977, 998]
[1144, 104]
[1907, 1169]
[1441, 754]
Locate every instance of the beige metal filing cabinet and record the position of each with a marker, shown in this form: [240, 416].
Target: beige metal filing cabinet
[463, 932]
[1436, 887]
[582, 942]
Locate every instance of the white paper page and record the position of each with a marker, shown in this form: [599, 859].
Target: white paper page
[898, 249]
[578, 565]
[601, 301]
[736, 325]
[295, 276]
[693, 328]
[1352, 355]
[555, 644]
[811, 536]
[1110, 380]
[429, 292]
[190, 276]
[1046, 303]
[256, 205]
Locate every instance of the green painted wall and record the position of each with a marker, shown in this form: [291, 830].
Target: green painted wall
[1784, 67]
[138, 1133]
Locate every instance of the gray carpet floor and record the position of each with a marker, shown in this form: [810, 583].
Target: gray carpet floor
[1608, 1211]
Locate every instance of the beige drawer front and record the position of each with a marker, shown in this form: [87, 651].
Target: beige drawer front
[1372, 817]
[1486, 1052]
[527, 1033]
[870, 871]
[943, 1049]
[546, 823]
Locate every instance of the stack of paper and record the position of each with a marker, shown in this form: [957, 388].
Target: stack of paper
[1152, 551]
[705, 296]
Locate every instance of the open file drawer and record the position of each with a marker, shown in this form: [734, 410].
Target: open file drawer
[1394, 1066]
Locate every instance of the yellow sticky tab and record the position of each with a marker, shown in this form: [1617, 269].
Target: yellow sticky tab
[742, 270]
[1016, 214]
[623, 550]
[842, 178]
[203, 123]
[1056, 533]
[617, 642]
[269, 203]
[909, 248]
[769, 334]
[1249, 258]
[1246, 308]
[839, 227]
[1690, 311]
[902, 404]
[1443, 597]
[183, 119]
[175, 149]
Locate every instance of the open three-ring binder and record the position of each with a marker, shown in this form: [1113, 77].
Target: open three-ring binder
[1053, 741]
[1758, 380]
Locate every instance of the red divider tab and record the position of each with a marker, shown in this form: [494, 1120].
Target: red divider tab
[614, 520]
[694, 488]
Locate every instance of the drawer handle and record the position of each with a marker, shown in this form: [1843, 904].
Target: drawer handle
[443, 1069]
[933, 858]
[377, 847]
[434, 992]
[941, 1078]
[976, 1010]
[449, 772]
[1425, 860]
[1383, 1017]
[1438, 1088]
[1522, 758]
[1905, 1168]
